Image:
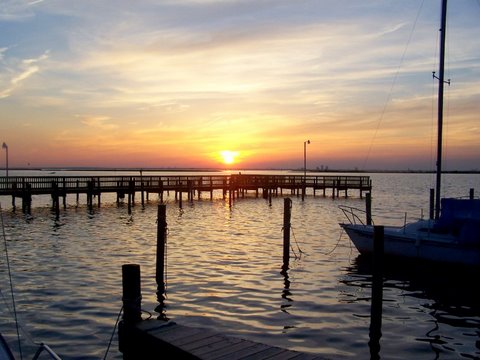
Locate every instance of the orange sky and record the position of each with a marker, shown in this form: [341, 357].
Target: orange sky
[173, 84]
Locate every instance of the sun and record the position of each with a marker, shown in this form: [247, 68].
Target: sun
[228, 156]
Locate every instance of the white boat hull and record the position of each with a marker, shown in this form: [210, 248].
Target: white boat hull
[417, 245]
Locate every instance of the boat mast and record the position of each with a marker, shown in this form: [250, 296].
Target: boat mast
[441, 82]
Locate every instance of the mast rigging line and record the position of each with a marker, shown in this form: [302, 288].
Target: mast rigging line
[11, 284]
[394, 81]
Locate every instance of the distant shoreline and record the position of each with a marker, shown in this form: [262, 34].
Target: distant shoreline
[219, 169]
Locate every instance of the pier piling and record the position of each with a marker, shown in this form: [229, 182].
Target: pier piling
[287, 214]
[160, 264]
[432, 203]
[375, 332]
[132, 304]
[132, 294]
[368, 206]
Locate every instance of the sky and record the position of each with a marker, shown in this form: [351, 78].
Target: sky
[237, 84]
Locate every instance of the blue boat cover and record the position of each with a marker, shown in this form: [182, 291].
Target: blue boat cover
[461, 217]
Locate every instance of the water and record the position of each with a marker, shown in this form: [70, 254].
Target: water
[224, 273]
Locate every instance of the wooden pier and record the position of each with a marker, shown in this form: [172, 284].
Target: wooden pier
[235, 186]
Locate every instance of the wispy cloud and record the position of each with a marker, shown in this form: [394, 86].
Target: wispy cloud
[2, 50]
[19, 72]
[97, 122]
[17, 10]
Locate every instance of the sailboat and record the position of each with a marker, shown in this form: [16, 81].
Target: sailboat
[452, 236]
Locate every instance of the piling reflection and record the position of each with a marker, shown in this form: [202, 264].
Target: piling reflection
[286, 294]
[447, 294]
[287, 299]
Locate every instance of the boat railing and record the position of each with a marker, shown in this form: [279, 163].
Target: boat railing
[354, 215]
[46, 348]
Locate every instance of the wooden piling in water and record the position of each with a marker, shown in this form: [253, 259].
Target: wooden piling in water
[368, 208]
[190, 191]
[472, 194]
[132, 294]
[287, 215]
[27, 199]
[375, 331]
[129, 202]
[89, 194]
[78, 190]
[132, 305]
[160, 188]
[161, 242]
[432, 204]
[55, 199]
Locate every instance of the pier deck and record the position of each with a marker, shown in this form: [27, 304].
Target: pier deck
[157, 339]
[235, 185]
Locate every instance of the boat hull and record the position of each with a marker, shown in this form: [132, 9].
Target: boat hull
[5, 352]
[428, 246]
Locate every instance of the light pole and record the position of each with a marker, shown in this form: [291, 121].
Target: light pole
[5, 146]
[304, 168]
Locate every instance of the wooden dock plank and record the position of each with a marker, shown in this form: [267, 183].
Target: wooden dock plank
[205, 352]
[169, 338]
[293, 355]
[209, 344]
[176, 333]
[247, 350]
[202, 334]
[264, 354]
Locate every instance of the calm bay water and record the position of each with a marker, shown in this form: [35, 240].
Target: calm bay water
[224, 273]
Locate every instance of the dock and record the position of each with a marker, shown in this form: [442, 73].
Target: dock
[235, 185]
[157, 339]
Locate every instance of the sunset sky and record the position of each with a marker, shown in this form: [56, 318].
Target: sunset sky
[178, 83]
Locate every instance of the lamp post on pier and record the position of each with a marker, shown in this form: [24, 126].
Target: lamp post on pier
[304, 168]
[5, 146]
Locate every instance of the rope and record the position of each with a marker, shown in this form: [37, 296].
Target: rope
[300, 250]
[150, 315]
[294, 253]
[113, 332]
[11, 284]
[336, 245]
[296, 242]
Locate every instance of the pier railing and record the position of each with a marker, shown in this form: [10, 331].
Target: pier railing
[74, 184]
[235, 185]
